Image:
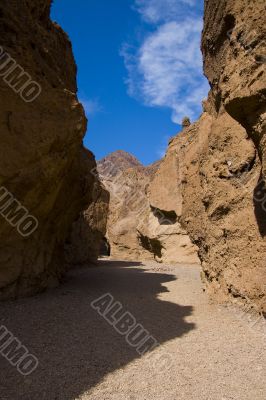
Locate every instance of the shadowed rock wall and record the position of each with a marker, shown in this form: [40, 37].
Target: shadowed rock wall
[43, 164]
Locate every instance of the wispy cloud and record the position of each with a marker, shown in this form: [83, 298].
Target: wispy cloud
[166, 70]
[155, 11]
[91, 106]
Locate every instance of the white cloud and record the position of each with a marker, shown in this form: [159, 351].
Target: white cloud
[166, 71]
[154, 11]
[91, 106]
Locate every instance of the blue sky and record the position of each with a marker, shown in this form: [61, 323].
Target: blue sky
[139, 70]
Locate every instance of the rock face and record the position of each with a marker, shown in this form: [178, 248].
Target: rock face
[222, 156]
[126, 180]
[117, 162]
[161, 230]
[43, 164]
[142, 226]
[83, 246]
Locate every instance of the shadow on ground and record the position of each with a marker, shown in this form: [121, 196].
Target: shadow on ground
[76, 348]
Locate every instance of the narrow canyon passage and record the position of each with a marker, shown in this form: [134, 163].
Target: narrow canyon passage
[132, 200]
[217, 354]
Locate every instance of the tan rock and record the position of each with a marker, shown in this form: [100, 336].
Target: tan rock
[42, 161]
[234, 50]
[218, 164]
[224, 163]
[161, 229]
[126, 180]
[137, 228]
[83, 246]
[220, 167]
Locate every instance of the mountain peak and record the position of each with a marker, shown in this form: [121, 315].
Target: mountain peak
[116, 162]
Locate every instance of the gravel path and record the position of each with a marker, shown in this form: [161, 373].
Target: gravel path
[217, 353]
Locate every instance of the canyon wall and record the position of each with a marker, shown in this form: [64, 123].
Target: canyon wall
[211, 183]
[126, 180]
[45, 178]
[160, 230]
[83, 245]
[143, 222]
[222, 156]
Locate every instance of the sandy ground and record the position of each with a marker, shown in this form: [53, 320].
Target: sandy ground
[216, 353]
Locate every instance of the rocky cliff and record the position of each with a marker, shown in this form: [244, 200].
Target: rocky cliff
[83, 245]
[143, 222]
[160, 229]
[222, 156]
[126, 180]
[211, 183]
[45, 178]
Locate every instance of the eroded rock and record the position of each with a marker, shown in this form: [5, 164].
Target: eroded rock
[43, 162]
[223, 155]
[127, 181]
[138, 226]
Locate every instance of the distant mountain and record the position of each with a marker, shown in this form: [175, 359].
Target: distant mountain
[117, 162]
[120, 161]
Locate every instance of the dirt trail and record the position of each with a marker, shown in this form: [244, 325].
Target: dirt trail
[217, 354]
